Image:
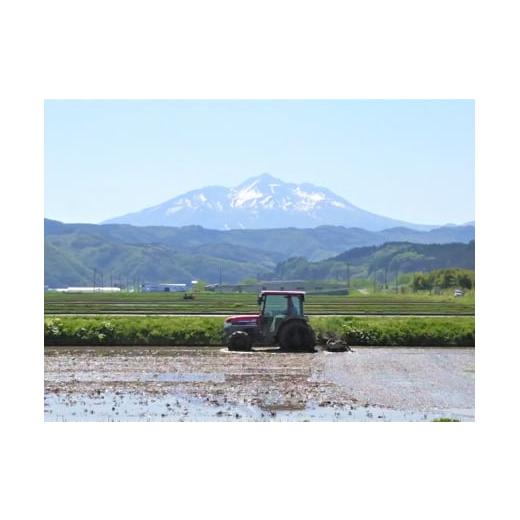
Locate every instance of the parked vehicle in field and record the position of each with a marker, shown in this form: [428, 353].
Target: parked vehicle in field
[281, 322]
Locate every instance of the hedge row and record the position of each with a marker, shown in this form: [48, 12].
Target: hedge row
[133, 331]
[208, 331]
[405, 332]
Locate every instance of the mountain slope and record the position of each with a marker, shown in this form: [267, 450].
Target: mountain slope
[402, 257]
[162, 254]
[260, 203]
[70, 259]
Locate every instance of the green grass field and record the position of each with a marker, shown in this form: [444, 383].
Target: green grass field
[211, 303]
[175, 330]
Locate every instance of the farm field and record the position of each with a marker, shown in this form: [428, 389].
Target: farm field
[212, 384]
[224, 304]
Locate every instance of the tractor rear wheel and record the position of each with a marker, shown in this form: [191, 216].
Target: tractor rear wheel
[240, 341]
[296, 335]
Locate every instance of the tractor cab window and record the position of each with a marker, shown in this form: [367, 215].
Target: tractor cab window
[274, 305]
[295, 307]
[278, 304]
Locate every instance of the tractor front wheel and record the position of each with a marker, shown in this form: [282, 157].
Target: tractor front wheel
[240, 341]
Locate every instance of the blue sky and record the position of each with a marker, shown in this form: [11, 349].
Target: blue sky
[410, 160]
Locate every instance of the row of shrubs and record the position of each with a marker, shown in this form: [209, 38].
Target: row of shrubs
[208, 331]
[405, 332]
[133, 331]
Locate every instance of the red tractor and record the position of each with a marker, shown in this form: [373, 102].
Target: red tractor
[281, 322]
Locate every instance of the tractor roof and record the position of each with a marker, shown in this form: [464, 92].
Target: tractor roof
[285, 293]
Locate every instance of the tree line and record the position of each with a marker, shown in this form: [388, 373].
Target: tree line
[444, 279]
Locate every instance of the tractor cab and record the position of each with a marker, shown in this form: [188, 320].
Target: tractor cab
[276, 307]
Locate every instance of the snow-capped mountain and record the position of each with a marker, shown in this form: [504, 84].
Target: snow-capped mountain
[260, 202]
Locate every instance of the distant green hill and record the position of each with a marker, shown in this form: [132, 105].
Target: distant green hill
[402, 257]
[155, 254]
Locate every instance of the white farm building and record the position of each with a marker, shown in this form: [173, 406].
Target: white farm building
[89, 290]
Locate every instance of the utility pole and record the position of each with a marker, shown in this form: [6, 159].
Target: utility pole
[102, 284]
[220, 278]
[375, 280]
[111, 280]
[94, 280]
[396, 280]
[348, 277]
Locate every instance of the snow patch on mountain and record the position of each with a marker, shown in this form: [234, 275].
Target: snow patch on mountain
[307, 200]
[247, 195]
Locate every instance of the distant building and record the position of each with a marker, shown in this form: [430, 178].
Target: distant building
[279, 285]
[164, 287]
[283, 285]
[88, 289]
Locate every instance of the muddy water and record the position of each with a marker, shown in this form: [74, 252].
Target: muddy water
[212, 384]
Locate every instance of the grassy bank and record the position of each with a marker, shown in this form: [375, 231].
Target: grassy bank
[158, 331]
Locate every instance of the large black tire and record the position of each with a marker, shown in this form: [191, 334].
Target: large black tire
[240, 341]
[296, 335]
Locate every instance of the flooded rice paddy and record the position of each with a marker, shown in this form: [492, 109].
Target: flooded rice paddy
[212, 384]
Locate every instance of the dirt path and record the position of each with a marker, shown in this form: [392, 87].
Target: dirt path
[213, 384]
